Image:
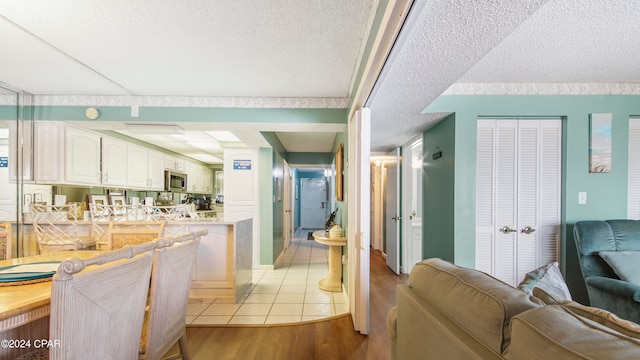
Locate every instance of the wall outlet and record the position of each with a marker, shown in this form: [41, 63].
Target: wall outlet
[37, 198]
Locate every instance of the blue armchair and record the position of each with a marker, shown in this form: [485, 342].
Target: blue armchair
[605, 289]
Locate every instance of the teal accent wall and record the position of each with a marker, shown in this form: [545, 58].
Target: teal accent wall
[438, 213]
[8, 112]
[192, 114]
[606, 193]
[305, 158]
[265, 159]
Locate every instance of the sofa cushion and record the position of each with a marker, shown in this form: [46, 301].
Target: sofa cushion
[549, 278]
[474, 300]
[561, 332]
[626, 264]
[605, 318]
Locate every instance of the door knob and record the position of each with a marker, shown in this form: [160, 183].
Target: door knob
[527, 230]
[506, 229]
[396, 218]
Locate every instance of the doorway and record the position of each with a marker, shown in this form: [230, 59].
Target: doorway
[314, 203]
[411, 242]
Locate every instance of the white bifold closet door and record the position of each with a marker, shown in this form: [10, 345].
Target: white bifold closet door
[518, 192]
[633, 191]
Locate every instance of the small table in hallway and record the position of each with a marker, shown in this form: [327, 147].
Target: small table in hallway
[333, 281]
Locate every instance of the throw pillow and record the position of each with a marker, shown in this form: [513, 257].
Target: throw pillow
[626, 264]
[549, 278]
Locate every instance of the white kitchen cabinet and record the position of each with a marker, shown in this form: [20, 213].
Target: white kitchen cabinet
[173, 163]
[137, 167]
[82, 156]
[207, 180]
[155, 170]
[145, 168]
[48, 152]
[199, 178]
[193, 176]
[114, 158]
[26, 139]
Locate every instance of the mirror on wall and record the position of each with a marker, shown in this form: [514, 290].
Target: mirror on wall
[16, 119]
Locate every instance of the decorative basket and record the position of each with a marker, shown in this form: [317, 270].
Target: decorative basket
[335, 231]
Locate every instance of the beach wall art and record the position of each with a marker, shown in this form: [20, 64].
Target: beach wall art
[600, 142]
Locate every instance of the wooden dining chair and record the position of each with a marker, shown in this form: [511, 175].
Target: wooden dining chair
[121, 233]
[6, 241]
[173, 264]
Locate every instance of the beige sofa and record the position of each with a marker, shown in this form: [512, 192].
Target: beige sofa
[450, 312]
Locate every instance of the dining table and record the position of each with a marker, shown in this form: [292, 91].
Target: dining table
[25, 304]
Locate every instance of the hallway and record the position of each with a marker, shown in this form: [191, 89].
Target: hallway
[287, 294]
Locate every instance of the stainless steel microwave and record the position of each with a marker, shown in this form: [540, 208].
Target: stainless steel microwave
[175, 181]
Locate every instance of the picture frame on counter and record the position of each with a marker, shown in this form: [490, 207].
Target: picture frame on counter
[118, 203]
[99, 204]
[98, 200]
[117, 200]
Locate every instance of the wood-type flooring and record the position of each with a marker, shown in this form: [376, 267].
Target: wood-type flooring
[327, 339]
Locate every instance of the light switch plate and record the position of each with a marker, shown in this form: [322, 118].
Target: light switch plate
[582, 198]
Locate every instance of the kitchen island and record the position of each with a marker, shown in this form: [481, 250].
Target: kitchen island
[223, 266]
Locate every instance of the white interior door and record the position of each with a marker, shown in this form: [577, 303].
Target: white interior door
[411, 239]
[518, 182]
[313, 203]
[633, 184]
[287, 206]
[358, 197]
[392, 212]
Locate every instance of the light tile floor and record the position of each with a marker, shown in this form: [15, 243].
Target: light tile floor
[287, 294]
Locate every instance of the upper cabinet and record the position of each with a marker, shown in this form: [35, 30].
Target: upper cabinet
[20, 133]
[82, 157]
[145, 168]
[173, 163]
[199, 178]
[65, 154]
[114, 155]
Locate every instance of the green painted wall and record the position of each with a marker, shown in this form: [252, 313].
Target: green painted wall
[606, 193]
[438, 187]
[193, 114]
[265, 156]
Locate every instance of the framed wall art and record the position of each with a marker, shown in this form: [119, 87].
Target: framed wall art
[339, 171]
[600, 140]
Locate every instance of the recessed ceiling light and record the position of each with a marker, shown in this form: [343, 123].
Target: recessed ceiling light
[223, 136]
[157, 129]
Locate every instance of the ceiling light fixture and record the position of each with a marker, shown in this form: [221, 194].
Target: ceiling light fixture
[154, 129]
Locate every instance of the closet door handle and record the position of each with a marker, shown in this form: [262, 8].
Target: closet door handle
[527, 230]
[506, 229]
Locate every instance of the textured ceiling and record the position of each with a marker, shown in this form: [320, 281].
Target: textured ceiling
[514, 47]
[305, 54]
[195, 48]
